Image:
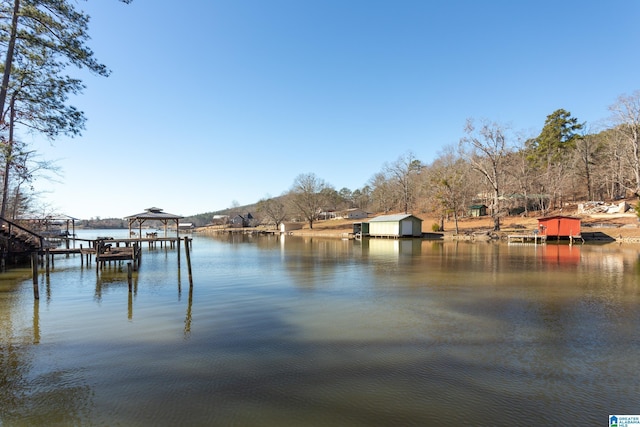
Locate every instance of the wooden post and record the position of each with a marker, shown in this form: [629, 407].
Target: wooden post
[34, 269]
[98, 246]
[129, 275]
[178, 250]
[188, 255]
[46, 257]
[137, 253]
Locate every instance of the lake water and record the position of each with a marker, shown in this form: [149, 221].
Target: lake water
[316, 332]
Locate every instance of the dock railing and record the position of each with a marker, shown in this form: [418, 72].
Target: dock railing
[13, 229]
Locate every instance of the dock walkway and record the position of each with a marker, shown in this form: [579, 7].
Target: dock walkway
[107, 253]
[108, 249]
[527, 238]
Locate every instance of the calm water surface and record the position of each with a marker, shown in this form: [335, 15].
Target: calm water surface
[316, 332]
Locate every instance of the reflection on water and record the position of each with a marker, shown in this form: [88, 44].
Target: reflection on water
[302, 331]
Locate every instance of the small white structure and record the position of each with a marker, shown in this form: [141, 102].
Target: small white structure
[186, 226]
[401, 225]
[286, 227]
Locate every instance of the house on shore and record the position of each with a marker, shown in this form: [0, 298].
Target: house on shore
[400, 225]
[242, 220]
[353, 213]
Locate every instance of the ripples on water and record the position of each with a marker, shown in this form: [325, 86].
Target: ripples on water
[327, 332]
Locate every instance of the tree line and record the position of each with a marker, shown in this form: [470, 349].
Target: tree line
[42, 40]
[490, 165]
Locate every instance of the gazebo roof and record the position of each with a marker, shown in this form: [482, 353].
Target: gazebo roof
[153, 213]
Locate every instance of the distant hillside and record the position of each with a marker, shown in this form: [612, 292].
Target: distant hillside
[198, 220]
[114, 223]
[203, 219]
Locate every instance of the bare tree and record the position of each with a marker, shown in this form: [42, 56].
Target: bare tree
[626, 120]
[451, 188]
[403, 173]
[613, 176]
[307, 196]
[486, 150]
[587, 153]
[362, 197]
[383, 196]
[273, 209]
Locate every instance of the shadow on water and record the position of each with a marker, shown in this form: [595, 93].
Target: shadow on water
[597, 237]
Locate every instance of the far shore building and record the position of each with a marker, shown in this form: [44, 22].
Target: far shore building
[478, 210]
[286, 227]
[328, 214]
[186, 226]
[354, 213]
[242, 220]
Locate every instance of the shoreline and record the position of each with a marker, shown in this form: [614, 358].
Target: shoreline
[620, 228]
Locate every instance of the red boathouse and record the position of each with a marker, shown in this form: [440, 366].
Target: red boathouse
[560, 227]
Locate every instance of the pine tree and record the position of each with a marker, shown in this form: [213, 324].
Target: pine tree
[42, 39]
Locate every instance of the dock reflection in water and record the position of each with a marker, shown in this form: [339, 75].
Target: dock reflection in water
[328, 332]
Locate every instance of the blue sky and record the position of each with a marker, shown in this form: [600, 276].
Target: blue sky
[215, 101]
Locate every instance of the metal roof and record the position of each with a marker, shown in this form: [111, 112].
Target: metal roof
[392, 218]
[557, 217]
[153, 213]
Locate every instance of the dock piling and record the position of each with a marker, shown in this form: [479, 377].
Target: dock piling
[129, 276]
[46, 262]
[188, 256]
[34, 270]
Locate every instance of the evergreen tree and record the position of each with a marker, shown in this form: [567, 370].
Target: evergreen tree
[550, 152]
[557, 139]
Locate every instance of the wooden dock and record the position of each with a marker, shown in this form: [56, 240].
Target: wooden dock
[107, 250]
[527, 238]
[542, 238]
[107, 253]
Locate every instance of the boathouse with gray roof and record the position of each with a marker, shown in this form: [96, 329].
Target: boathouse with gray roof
[395, 226]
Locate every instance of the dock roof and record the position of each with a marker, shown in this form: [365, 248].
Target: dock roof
[392, 218]
[153, 213]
